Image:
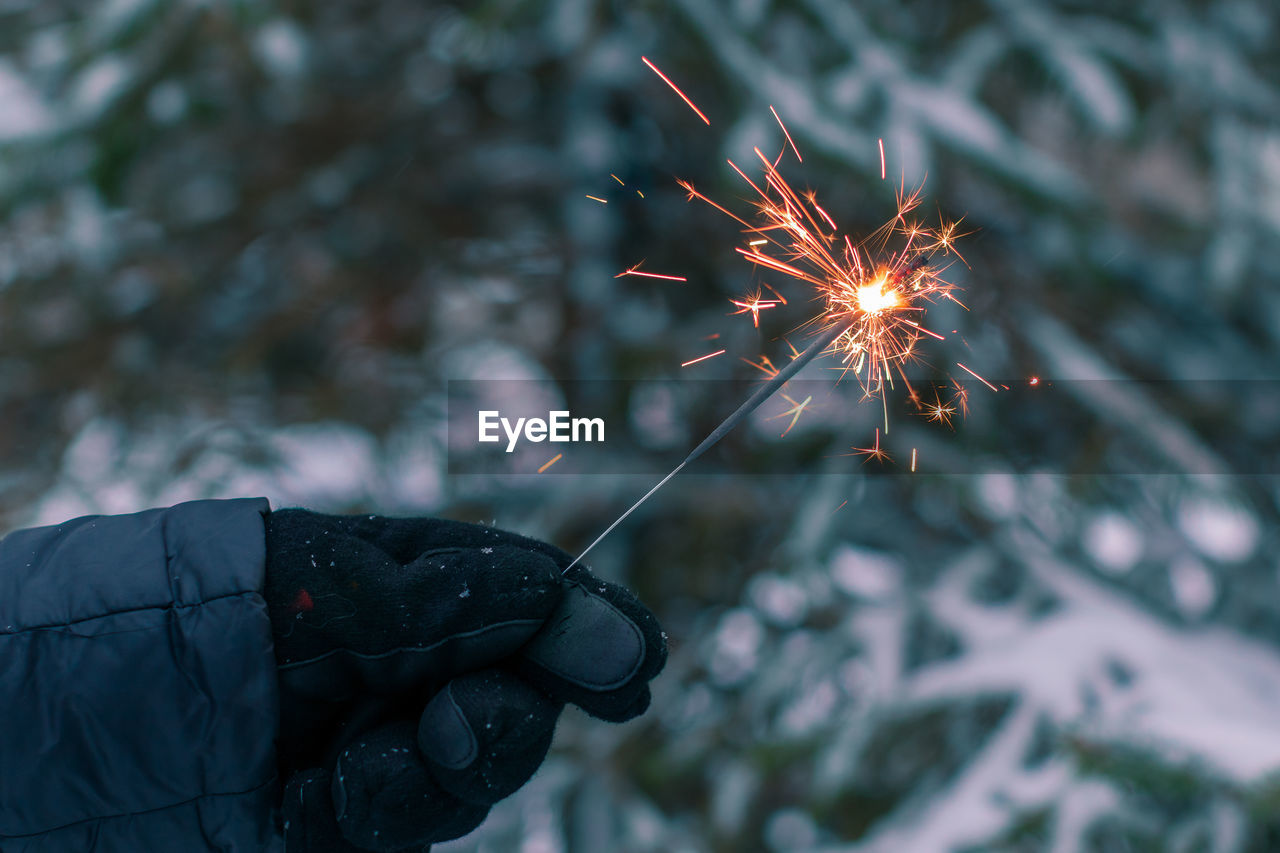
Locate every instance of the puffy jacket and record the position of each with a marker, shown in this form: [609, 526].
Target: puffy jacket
[138, 695]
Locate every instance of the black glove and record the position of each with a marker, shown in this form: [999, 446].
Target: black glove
[423, 664]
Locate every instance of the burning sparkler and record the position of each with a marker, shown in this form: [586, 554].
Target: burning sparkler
[873, 292]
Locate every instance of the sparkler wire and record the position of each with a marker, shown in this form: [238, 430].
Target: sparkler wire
[764, 392]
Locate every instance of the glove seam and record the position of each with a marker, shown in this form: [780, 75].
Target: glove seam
[399, 650]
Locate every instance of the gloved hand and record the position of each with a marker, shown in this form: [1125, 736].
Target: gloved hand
[423, 664]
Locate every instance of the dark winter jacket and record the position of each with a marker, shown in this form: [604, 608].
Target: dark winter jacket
[138, 695]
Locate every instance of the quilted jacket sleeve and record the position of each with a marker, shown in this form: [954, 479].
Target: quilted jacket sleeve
[138, 697]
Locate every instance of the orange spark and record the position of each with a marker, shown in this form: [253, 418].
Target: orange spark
[636, 271]
[753, 305]
[776, 295]
[975, 376]
[553, 461]
[765, 366]
[872, 452]
[676, 89]
[703, 358]
[784, 133]
[744, 177]
[880, 142]
[939, 411]
[688, 187]
[960, 397]
[616, 178]
[795, 411]
[826, 217]
[593, 198]
[945, 236]
[931, 334]
[913, 460]
[764, 260]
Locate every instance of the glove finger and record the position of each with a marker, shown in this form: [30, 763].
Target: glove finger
[599, 649]
[386, 799]
[310, 825]
[485, 734]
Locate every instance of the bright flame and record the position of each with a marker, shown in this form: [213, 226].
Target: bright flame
[875, 297]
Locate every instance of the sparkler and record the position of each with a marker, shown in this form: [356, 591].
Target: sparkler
[753, 402]
[873, 295]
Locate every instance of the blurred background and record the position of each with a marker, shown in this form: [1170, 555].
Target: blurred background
[244, 246]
